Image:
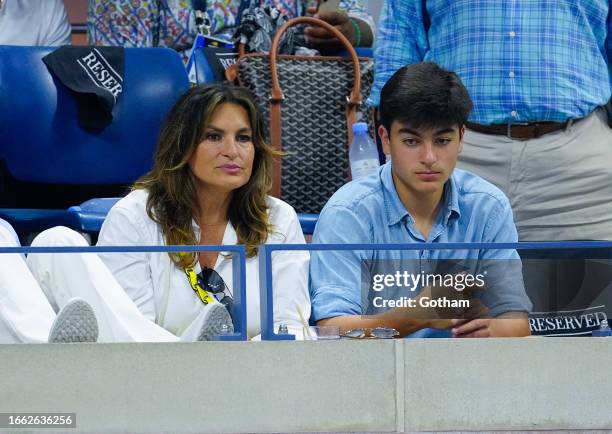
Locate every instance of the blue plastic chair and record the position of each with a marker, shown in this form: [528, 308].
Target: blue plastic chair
[41, 141]
[89, 216]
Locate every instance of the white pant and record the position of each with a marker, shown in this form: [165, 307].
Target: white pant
[25, 313]
[31, 294]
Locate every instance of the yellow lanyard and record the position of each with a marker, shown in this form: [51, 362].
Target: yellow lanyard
[193, 281]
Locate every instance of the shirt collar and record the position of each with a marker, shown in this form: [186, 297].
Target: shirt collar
[396, 211]
[451, 199]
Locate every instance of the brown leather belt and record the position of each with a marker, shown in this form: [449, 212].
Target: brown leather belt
[524, 131]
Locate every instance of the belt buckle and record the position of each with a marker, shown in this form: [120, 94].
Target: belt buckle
[509, 131]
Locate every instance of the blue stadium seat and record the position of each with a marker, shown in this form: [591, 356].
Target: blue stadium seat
[41, 141]
[308, 222]
[89, 216]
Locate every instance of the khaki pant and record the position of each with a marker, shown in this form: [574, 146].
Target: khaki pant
[559, 185]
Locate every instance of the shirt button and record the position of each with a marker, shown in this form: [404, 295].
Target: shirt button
[511, 74]
[514, 113]
[512, 34]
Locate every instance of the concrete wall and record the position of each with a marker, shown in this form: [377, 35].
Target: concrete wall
[513, 384]
[381, 386]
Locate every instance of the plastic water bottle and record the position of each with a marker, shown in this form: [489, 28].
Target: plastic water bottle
[283, 329]
[363, 154]
[604, 329]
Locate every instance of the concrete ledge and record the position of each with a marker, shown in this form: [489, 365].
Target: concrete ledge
[206, 387]
[380, 386]
[509, 384]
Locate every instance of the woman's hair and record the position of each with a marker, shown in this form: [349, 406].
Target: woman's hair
[173, 202]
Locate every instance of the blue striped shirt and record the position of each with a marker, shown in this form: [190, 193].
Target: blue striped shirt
[527, 60]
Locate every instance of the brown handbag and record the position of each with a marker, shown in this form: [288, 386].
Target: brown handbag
[310, 105]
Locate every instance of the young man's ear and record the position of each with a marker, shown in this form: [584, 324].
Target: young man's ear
[461, 136]
[384, 139]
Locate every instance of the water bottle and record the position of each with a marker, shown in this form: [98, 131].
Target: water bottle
[363, 154]
[283, 329]
[604, 329]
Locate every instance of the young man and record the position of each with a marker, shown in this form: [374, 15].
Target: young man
[420, 197]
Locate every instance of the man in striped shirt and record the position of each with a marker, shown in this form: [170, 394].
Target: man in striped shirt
[538, 72]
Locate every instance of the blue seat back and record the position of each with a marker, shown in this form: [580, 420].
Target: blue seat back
[41, 140]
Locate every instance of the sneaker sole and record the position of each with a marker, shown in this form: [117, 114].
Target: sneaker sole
[76, 322]
[213, 325]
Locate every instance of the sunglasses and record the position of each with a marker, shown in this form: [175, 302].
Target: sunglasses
[208, 281]
[371, 333]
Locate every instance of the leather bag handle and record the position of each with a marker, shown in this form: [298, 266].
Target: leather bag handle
[277, 94]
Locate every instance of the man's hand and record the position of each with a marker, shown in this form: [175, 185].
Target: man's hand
[468, 294]
[509, 324]
[475, 328]
[322, 40]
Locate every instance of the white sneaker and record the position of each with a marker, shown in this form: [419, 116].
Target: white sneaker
[216, 318]
[75, 322]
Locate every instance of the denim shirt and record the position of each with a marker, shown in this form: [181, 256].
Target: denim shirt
[369, 210]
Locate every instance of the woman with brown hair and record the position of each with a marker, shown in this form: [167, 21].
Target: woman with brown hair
[209, 186]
